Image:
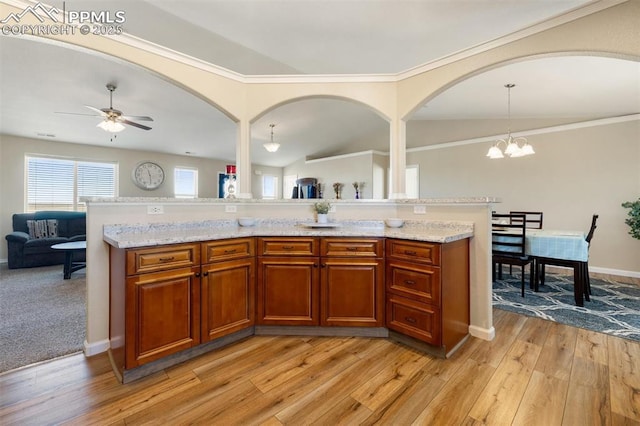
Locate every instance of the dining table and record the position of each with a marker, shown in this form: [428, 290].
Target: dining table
[562, 248]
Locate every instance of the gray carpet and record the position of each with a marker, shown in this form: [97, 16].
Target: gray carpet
[42, 316]
[614, 307]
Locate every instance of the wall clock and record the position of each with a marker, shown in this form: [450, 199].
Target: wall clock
[148, 175]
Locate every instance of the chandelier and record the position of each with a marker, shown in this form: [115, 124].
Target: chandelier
[271, 146]
[513, 147]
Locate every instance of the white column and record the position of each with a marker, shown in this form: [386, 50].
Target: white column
[243, 159]
[398, 158]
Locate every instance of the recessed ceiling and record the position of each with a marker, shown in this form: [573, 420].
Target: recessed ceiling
[302, 37]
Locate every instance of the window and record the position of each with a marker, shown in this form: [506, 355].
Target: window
[58, 184]
[185, 182]
[269, 186]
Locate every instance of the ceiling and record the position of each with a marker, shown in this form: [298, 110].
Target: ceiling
[309, 37]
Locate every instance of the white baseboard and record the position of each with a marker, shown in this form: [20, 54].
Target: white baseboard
[482, 333]
[4, 260]
[95, 348]
[619, 272]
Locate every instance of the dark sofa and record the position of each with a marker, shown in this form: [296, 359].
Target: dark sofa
[27, 252]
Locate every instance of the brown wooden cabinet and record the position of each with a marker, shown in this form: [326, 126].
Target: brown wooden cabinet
[154, 303]
[352, 282]
[288, 281]
[227, 287]
[427, 291]
[321, 281]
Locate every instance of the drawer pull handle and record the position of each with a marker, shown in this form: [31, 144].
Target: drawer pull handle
[287, 247]
[230, 251]
[410, 253]
[409, 282]
[410, 319]
[352, 248]
[167, 259]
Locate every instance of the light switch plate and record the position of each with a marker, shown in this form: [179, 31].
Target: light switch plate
[419, 209]
[230, 209]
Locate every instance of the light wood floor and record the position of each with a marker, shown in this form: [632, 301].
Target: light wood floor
[535, 372]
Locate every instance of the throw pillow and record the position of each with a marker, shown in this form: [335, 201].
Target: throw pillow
[43, 228]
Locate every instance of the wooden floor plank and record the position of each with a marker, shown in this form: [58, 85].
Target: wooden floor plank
[592, 346]
[586, 403]
[498, 402]
[624, 375]
[458, 395]
[558, 351]
[543, 401]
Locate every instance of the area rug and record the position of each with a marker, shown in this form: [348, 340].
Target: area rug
[42, 315]
[614, 307]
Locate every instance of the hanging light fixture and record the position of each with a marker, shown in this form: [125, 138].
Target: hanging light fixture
[271, 146]
[513, 147]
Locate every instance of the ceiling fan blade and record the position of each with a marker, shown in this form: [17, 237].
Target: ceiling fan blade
[99, 111]
[137, 117]
[76, 113]
[131, 123]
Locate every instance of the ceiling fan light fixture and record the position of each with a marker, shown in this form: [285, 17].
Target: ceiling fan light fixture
[271, 146]
[111, 126]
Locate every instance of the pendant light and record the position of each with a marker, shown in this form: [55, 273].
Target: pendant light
[271, 146]
[513, 147]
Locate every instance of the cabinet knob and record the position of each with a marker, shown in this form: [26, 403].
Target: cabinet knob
[352, 248]
[206, 274]
[412, 320]
[315, 265]
[166, 259]
[230, 251]
[198, 274]
[409, 282]
[410, 252]
[287, 247]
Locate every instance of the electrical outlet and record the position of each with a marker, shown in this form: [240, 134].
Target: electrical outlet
[230, 209]
[419, 209]
[155, 210]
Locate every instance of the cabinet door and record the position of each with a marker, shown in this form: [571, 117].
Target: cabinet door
[228, 294]
[352, 292]
[288, 291]
[162, 314]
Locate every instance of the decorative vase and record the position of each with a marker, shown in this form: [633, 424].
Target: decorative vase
[322, 218]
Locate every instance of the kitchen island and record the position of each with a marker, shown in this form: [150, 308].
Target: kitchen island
[180, 289]
[105, 212]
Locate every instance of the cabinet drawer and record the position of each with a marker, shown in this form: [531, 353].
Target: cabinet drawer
[419, 320]
[347, 247]
[418, 282]
[428, 253]
[216, 251]
[273, 246]
[163, 257]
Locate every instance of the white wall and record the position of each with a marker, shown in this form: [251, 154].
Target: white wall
[574, 174]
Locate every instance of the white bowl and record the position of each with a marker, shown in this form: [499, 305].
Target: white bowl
[246, 221]
[394, 222]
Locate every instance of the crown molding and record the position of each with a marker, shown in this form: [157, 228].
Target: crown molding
[540, 131]
[147, 46]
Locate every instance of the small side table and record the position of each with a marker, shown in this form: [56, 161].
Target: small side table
[69, 249]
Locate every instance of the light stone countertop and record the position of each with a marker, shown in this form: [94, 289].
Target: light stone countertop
[145, 235]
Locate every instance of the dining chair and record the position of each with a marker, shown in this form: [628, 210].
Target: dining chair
[582, 267]
[533, 220]
[508, 234]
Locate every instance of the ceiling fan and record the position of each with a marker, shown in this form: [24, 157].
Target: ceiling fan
[113, 119]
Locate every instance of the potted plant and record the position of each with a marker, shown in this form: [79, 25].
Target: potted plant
[634, 217]
[322, 209]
